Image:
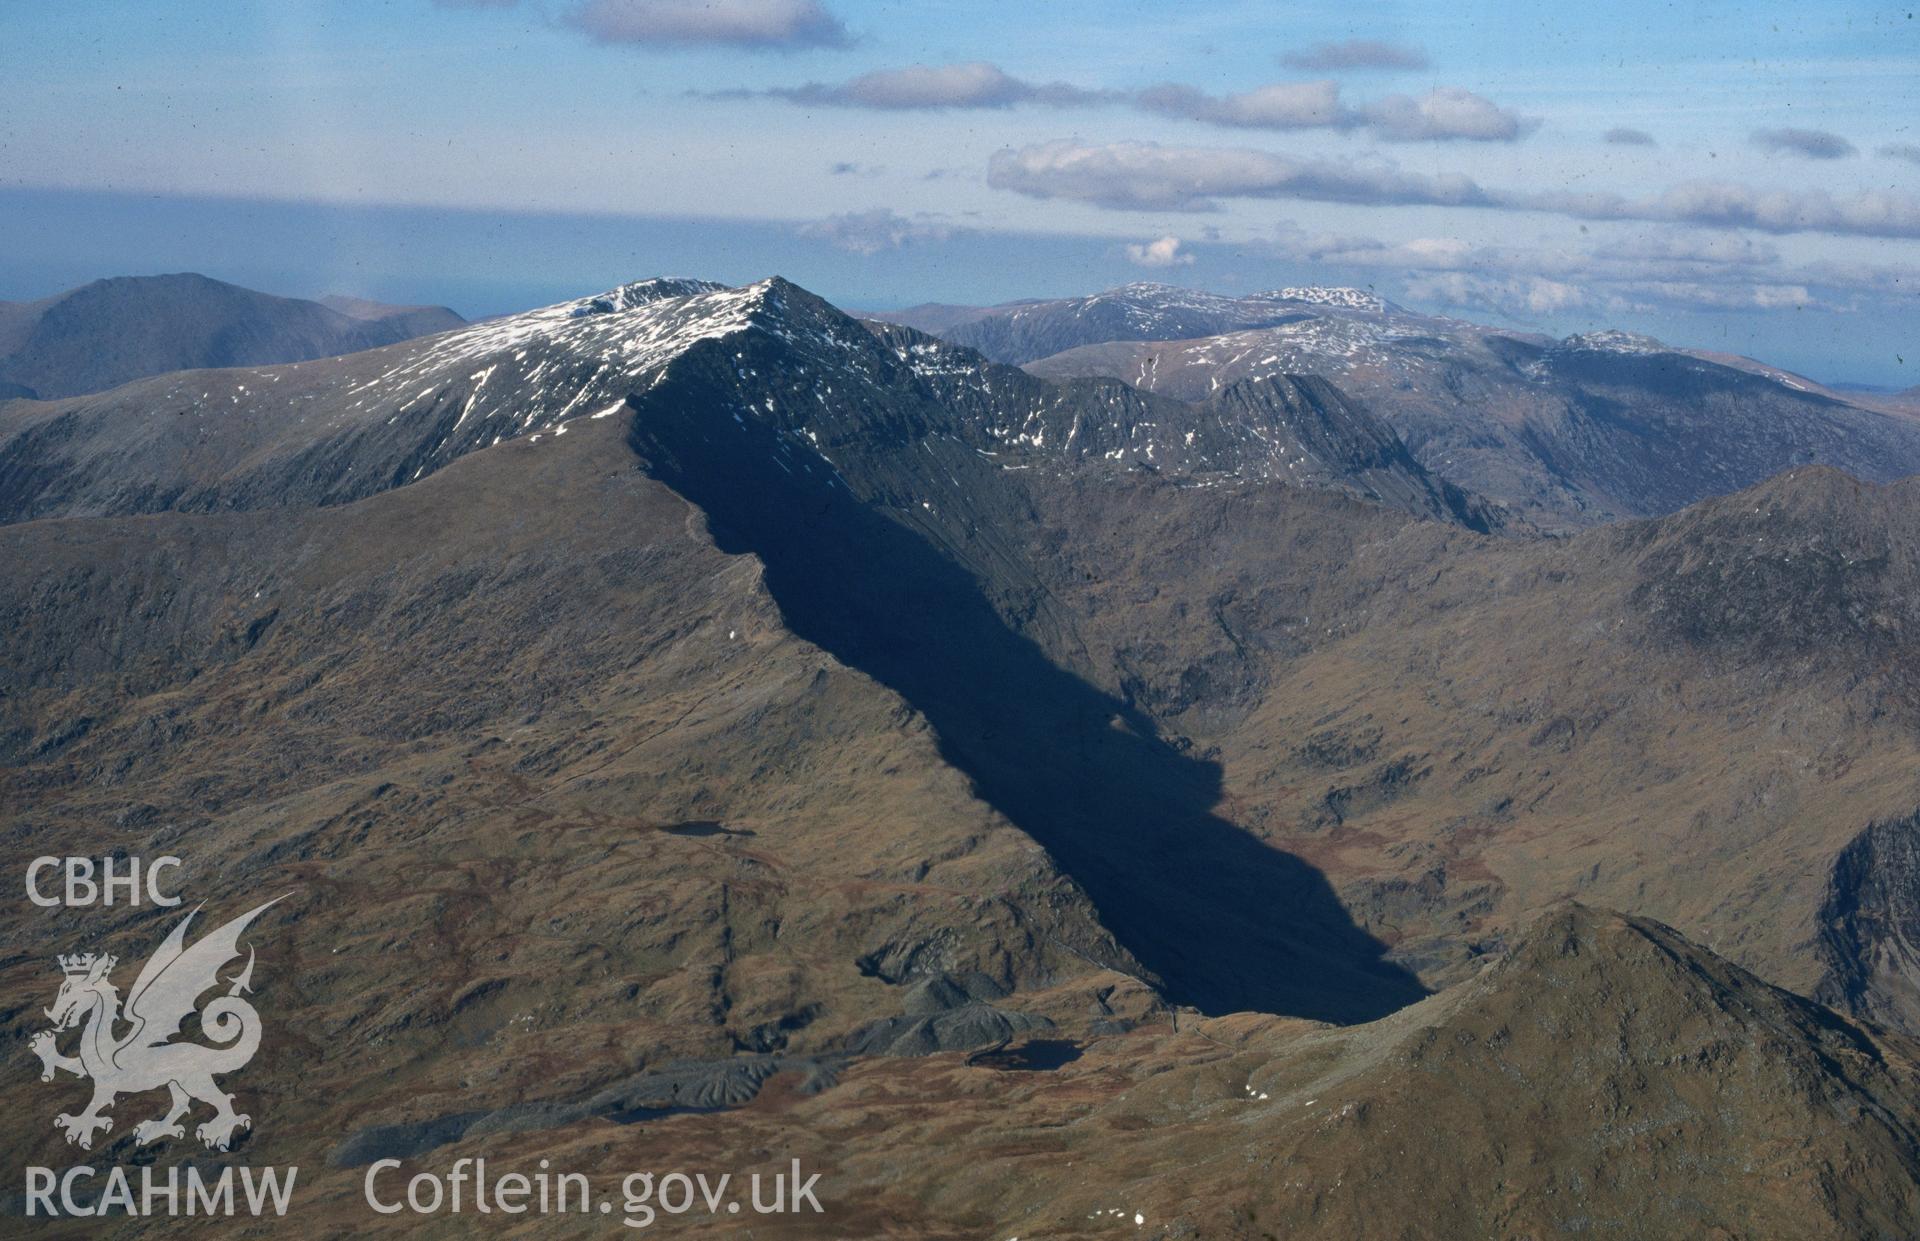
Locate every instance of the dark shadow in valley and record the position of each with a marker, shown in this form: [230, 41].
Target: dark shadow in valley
[1226, 922]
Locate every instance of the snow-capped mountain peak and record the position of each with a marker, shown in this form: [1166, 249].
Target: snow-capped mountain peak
[640, 293]
[1613, 340]
[1323, 295]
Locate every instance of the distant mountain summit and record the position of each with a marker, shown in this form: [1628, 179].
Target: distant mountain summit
[1612, 340]
[414, 320]
[1022, 332]
[1569, 433]
[1299, 430]
[638, 293]
[110, 332]
[1320, 295]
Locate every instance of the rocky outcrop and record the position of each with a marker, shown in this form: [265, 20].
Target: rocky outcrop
[1870, 925]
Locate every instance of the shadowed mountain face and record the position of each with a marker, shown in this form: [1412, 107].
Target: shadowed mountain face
[1456, 729]
[1223, 921]
[1872, 925]
[110, 332]
[764, 407]
[1294, 428]
[1568, 433]
[692, 698]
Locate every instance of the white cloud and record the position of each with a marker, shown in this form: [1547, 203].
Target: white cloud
[1445, 114]
[1622, 136]
[870, 232]
[977, 84]
[1357, 54]
[1284, 105]
[1675, 246]
[738, 23]
[974, 84]
[1165, 252]
[1806, 143]
[1872, 213]
[1516, 297]
[1526, 298]
[1419, 254]
[1150, 176]
[1736, 296]
[1147, 175]
[1667, 270]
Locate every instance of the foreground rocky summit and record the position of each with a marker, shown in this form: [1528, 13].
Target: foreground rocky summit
[1602, 1075]
[698, 729]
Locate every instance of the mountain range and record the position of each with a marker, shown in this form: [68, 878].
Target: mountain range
[691, 721]
[1566, 433]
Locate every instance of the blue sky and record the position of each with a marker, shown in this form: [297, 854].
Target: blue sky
[1734, 177]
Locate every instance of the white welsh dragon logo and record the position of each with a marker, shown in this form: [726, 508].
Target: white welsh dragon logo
[163, 996]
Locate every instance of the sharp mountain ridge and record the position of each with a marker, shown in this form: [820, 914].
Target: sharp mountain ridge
[343, 428]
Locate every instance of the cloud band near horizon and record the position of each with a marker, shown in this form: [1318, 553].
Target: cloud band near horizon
[1442, 114]
[1150, 177]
